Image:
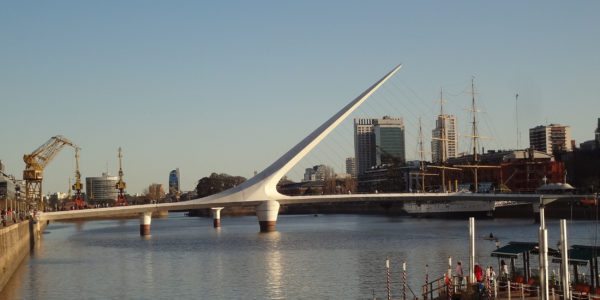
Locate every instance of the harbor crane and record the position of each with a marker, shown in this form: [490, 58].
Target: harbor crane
[121, 200]
[35, 162]
[77, 186]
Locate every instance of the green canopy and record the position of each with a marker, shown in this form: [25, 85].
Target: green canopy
[580, 255]
[513, 249]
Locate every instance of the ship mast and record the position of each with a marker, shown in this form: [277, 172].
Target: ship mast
[421, 157]
[443, 141]
[475, 140]
[474, 136]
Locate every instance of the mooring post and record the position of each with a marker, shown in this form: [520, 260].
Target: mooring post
[404, 280]
[387, 271]
[564, 266]
[543, 246]
[471, 250]
[449, 282]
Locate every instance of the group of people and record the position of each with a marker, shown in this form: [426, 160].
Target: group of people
[14, 216]
[490, 274]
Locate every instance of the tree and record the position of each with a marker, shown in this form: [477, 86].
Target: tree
[217, 183]
[155, 192]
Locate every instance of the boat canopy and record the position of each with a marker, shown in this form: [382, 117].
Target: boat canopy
[513, 249]
[580, 255]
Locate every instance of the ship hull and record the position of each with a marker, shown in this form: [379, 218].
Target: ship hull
[450, 210]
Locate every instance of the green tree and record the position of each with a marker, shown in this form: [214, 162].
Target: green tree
[216, 183]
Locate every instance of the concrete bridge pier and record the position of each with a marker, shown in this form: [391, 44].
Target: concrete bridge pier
[145, 219]
[216, 213]
[267, 213]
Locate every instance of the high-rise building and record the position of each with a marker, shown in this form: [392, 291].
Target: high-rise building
[444, 139]
[364, 145]
[318, 173]
[351, 166]
[550, 138]
[389, 140]
[598, 132]
[174, 186]
[101, 190]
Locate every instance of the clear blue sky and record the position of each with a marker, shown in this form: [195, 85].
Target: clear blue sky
[229, 86]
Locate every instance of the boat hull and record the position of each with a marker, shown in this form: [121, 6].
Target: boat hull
[450, 210]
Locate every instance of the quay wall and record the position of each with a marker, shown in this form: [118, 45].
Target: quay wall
[16, 242]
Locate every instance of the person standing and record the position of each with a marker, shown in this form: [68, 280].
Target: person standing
[503, 270]
[459, 274]
[478, 273]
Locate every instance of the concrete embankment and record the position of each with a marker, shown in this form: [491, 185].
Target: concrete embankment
[16, 242]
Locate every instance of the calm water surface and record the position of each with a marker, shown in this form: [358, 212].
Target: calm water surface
[324, 257]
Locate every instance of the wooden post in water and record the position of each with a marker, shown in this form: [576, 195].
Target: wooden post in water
[426, 282]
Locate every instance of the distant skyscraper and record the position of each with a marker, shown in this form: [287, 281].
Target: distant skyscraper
[318, 173]
[445, 139]
[549, 138]
[364, 145]
[174, 186]
[598, 132]
[351, 166]
[101, 190]
[389, 140]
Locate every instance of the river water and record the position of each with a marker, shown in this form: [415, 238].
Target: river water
[323, 257]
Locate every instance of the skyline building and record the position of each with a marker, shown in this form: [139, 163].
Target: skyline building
[389, 140]
[364, 144]
[444, 142]
[597, 133]
[174, 182]
[550, 138]
[101, 190]
[351, 166]
[318, 173]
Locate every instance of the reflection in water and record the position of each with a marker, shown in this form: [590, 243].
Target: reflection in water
[274, 268]
[79, 225]
[148, 269]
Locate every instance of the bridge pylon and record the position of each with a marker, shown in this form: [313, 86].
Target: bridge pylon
[267, 213]
[145, 220]
[216, 213]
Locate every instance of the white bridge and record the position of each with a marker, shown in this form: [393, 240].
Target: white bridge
[261, 190]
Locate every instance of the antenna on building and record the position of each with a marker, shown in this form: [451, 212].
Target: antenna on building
[517, 117]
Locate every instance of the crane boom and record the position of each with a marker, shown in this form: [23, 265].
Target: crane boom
[36, 161]
[78, 186]
[120, 186]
